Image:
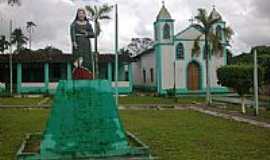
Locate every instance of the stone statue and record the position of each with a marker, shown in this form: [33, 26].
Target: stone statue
[81, 31]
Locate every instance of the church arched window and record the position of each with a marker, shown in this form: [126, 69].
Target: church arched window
[166, 31]
[180, 51]
[219, 32]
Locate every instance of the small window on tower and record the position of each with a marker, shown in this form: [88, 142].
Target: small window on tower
[166, 31]
[219, 33]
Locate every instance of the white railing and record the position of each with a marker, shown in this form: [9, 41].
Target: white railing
[121, 84]
[53, 85]
[2, 85]
[33, 84]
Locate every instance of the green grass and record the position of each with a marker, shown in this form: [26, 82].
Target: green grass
[20, 101]
[14, 124]
[171, 135]
[188, 135]
[160, 100]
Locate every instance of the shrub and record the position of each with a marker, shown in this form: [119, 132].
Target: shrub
[239, 78]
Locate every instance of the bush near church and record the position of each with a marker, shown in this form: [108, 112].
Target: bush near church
[239, 78]
[263, 53]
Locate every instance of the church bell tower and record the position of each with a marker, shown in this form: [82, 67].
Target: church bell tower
[164, 49]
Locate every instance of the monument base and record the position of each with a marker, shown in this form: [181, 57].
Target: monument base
[84, 124]
[30, 148]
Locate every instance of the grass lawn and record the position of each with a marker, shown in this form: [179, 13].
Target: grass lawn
[171, 135]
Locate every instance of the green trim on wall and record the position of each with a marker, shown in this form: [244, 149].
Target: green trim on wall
[36, 90]
[109, 71]
[42, 90]
[213, 90]
[158, 68]
[123, 90]
[69, 72]
[2, 88]
[46, 76]
[146, 87]
[19, 77]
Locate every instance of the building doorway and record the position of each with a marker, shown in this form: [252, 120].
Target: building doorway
[193, 77]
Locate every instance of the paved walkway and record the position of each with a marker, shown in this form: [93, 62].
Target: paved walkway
[236, 100]
[229, 116]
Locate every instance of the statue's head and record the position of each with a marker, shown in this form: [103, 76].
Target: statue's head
[81, 15]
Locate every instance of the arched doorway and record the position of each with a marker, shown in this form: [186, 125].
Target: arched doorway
[193, 76]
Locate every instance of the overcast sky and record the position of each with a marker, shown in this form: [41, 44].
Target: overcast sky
[248, 18]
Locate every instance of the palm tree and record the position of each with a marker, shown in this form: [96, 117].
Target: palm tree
[4, 44]
[205, 23]
[18, 38]
[98, 14]
[12, 2]
[29, 27]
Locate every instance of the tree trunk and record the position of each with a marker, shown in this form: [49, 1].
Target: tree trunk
[208, 94]
[96, 52]
[18, 47]
[243, 105]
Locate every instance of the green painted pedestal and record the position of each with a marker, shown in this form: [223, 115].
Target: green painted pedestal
[84, 124]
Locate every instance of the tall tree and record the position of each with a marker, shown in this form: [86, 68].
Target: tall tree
[29, 26]
[4, 44]
[206, 23]
[98, 13]
[18, 38]
[11, 2]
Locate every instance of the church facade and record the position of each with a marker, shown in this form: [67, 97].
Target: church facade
[171, 64]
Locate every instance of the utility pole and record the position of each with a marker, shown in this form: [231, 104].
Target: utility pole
[116, 55]
[10, 58]
[256, 91]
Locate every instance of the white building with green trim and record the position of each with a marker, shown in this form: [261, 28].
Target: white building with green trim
[171, 64]
[39, 73]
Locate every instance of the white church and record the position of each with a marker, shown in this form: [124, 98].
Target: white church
[170, 63]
